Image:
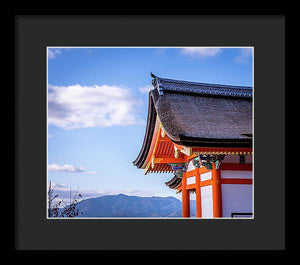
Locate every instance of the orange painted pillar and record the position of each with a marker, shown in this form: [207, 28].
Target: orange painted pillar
[185, 198]
[198, 194]
[216, 191]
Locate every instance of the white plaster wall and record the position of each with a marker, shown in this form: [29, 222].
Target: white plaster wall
[236, 198]
[190, 180]
[206, 201]
[205, 176]
[236, 174]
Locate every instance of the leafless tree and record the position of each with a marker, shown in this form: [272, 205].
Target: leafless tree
[71, 209]
[53, 203]
[59, 208]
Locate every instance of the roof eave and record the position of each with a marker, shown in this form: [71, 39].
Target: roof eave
[210, 142]
[151, 120]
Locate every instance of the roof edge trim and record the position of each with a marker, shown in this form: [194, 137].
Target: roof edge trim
[164, 85]
[151, 121]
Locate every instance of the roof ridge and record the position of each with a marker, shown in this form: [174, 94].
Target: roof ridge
[166, 84]
[199, 83]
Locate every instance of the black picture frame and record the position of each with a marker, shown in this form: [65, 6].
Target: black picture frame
[33, 33]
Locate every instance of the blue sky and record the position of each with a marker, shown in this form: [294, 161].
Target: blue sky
[97, 110]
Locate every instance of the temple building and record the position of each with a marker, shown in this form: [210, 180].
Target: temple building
[202, 134]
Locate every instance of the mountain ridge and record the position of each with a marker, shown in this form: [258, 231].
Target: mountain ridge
[122, 205]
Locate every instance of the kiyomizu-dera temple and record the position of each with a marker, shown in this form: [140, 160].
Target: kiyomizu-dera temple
[202, 133]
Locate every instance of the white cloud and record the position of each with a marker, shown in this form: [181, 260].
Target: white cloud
[65, 168]
[244, 56]
[77, 106]
[69, 168]
[92, 172]
[145, 89]
[58, 186]
[63, 192]
[200, 52]
[52, 53]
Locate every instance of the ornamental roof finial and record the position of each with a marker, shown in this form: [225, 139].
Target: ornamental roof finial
[152, 75]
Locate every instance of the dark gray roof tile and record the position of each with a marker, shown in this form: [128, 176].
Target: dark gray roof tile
[198, 114]
[203, 112]
[165, 85]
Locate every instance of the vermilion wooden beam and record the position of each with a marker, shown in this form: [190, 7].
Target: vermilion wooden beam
[198, 194]
[192, 173]
[179, 147]
[236, 181]
[216, 191]
[203, 170]
[222, 149]
[193, 186]
[185, 198]
[206, 183]
[190, 187]
[168, 160]
[223, 181]
[165, 139]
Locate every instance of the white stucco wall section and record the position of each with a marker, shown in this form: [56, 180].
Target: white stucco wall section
[234, 174]
[191, 180]
[206, 201]
[205, 176]
[236, 198]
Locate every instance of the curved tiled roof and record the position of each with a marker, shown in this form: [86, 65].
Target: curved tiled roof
[151, 120]
[165, 85]
[199, 114]
[204, 120]
[174, 182]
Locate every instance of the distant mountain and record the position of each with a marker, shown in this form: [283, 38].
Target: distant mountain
[131, 206]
